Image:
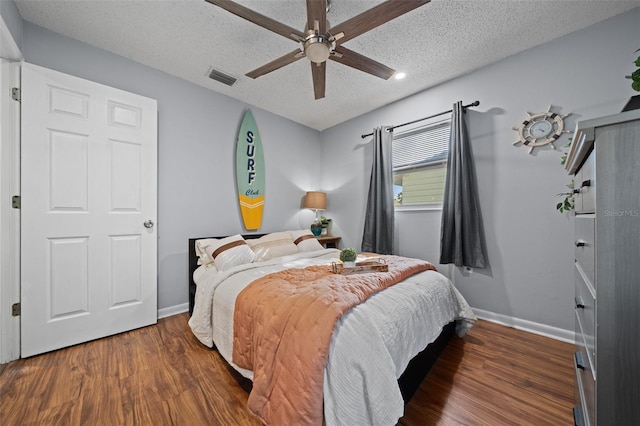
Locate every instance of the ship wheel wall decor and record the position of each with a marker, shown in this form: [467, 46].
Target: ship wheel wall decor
[540, 129]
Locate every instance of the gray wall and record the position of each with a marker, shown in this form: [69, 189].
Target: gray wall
[13, 20]
[530, 249]
[196, 146]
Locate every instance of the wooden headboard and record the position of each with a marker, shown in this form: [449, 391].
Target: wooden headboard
[193, 265]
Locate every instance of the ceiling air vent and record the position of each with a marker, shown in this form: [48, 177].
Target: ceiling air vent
[221, 77]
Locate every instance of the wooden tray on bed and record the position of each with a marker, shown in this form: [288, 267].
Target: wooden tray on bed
[364, 266]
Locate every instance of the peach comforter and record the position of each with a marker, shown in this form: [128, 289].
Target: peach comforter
[283, 324]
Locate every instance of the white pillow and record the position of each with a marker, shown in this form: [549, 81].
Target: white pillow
[201, 250]
[229, 252]
[305, 240]
[272, 245]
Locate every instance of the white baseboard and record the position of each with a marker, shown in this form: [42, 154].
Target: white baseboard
[563, 335]
[173, 310]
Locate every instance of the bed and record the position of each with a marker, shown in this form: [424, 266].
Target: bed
[380, 350]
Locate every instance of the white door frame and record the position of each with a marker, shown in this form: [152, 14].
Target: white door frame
[9, 217]
[10, 56]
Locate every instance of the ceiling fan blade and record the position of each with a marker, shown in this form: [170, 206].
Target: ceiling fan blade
[355, 60]
[319, 74]
[317, 11]
[275, 64]
[375, 17]
[258, 19]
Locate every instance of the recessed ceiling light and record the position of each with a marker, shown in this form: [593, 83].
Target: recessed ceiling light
[400, 75]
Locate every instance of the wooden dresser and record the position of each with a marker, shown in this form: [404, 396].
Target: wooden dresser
[605, 161]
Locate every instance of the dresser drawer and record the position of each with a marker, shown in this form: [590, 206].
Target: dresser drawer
[584, 183]
[585, 246]
[585, 396]
[585, 306]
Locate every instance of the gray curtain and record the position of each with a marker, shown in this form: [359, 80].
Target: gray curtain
[378, 221]
[462, 235]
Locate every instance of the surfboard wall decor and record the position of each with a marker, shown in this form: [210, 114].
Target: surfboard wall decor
[250, 173]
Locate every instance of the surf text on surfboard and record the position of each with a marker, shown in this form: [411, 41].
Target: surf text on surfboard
[251, 171]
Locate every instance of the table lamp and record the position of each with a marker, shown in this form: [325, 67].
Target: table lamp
[316, 200]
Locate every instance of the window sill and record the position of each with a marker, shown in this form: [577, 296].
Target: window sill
[419, 207]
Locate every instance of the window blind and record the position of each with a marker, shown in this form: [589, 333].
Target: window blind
[421, 147]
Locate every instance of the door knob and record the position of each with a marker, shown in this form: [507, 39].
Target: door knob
[148, 223]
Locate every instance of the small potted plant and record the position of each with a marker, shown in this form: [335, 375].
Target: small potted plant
[348, 257]
[325, 225]
[634, 102]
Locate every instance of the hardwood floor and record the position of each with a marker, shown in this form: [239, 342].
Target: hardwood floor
[497, 376]
[161, 375]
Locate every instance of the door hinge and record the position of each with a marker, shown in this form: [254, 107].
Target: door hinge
[15, 310]
[16, 202]
[15, 94]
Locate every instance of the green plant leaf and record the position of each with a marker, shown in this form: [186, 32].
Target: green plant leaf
[559, 206]
[636, 86]
[348, 255]
[637, 62]
[635, 76]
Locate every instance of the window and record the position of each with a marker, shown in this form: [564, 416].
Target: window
[420, 165]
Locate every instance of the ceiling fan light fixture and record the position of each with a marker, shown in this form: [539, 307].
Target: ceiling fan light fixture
[317, 48]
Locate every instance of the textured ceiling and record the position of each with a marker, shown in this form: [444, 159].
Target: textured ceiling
[434, 43]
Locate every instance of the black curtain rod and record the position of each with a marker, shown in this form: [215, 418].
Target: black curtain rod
[472, 104]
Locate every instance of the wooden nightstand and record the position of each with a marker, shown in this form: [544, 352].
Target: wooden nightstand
[329, 241]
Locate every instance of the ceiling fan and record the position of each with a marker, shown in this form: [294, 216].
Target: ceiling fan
[319, 43]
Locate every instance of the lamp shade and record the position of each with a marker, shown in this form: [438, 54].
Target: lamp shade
[315, 200]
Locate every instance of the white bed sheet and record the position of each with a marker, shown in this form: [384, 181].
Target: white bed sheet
[371, 344]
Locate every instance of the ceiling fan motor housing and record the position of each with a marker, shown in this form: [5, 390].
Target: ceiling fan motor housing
[317, 47]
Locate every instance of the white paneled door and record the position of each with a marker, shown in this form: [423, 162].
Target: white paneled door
[89, 207]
